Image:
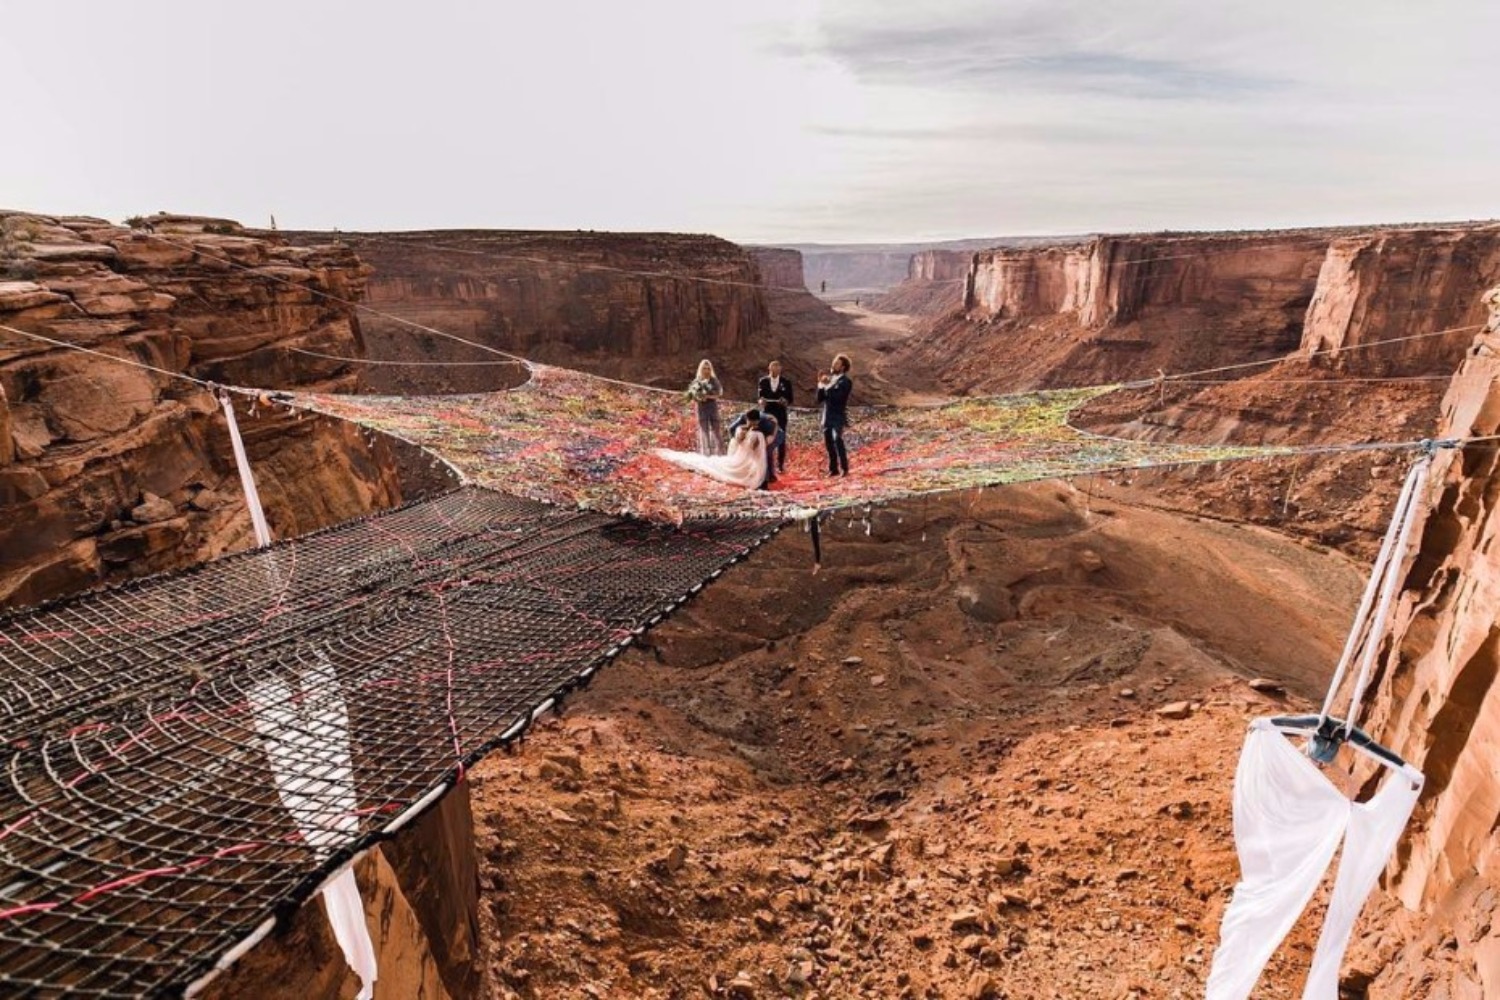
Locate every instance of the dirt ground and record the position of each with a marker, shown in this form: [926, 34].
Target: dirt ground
[986, 752]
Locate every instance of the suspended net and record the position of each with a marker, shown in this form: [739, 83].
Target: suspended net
[191, 753]
[574, 439]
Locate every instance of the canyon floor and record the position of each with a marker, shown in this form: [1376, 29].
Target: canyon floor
[986, 752]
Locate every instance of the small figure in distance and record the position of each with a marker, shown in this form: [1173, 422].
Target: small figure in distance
[833, 393]
[704, 391]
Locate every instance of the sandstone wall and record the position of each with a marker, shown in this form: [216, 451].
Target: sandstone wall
[110, 471]
[421, 896]
[779, 267]
[557, 296]
[937, 282]
[1439, 705]
[1390, 284]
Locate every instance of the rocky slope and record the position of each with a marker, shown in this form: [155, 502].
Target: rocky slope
[108, 470]
[937, 283]
[1119, 308]
[609, 302]
[1438, 704]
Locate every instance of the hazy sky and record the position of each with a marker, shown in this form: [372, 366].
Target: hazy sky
[766, 120]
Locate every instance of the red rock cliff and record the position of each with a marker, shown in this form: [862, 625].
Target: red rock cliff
[779, 268]
[937, 282]
[1439, 705]
[566, 297]
[108, 470]
[1386, 285]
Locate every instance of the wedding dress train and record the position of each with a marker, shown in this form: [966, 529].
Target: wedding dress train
[744, 465]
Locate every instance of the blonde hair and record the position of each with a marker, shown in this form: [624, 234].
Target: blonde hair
[705, 366]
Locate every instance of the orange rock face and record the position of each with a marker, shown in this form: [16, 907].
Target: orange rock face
[1381, 286]
[1439, 705]
[109, 470]
[779, 267]
[555, 296]
[937, 282]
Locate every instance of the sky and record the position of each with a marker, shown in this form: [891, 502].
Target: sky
[769, 121]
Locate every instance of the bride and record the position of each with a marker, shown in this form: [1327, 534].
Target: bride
[743, 466]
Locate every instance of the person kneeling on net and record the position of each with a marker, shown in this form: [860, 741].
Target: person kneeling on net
[773, 432]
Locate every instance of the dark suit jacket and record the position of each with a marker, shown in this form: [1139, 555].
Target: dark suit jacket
[777, 400]
[835, 400]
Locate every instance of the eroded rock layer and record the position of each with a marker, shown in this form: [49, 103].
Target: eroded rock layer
[564, 297]
[110, 470]
[1439, 705]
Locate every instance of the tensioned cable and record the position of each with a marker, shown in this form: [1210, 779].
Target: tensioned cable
[648, 388]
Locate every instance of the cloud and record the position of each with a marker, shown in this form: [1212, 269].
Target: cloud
[1061, 48]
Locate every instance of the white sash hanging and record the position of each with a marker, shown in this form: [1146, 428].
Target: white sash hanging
[1290, 820]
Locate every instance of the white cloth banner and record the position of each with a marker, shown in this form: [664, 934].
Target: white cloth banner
[1289, 821]
[306, 738]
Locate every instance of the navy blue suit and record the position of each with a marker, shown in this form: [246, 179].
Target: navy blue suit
[774, 400]
[835, 400]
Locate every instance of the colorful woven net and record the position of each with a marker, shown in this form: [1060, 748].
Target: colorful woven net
[574, 439]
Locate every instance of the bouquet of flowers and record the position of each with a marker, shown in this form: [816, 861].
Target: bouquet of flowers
[699, 389]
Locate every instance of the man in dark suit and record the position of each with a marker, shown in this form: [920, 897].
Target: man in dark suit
[775, 392]
[833, 393]
[766, 424]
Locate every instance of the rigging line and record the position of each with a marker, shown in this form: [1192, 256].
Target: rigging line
[1334, 380]
[230, 262]
[113, 357]
[1473, 328]
[417, 364]
[485, 347]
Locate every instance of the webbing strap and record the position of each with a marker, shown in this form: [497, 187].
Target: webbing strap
[1368, 629]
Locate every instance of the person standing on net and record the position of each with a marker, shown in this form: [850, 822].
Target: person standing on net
[833, 393]
[775, 392]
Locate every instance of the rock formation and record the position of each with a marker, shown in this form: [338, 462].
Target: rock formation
[1438, 704]
[937, 282]
[1385, 285]
[779, 268]
[421, 897]
[1117, 307]
[566, 297]
[109, 470]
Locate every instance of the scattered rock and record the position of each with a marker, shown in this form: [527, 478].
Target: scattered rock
[152, 509]
[853, 661]
[1267, 686]
[1175, 710]
[1090, 561]
[970, 918]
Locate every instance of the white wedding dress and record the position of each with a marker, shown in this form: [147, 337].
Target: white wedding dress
[743, 466]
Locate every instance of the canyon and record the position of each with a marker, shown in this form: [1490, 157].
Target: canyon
[640, 305]
[909, 774]
[114, 470]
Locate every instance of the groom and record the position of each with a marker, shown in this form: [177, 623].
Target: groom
[833, 393]
[775, 392]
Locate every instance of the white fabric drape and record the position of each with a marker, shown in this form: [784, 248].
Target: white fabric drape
[305, 734]
[1289, 821]
[743, 466]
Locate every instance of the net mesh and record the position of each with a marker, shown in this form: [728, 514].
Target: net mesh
[189, 754]
[571, 438]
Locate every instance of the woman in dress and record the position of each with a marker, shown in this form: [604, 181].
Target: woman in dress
[743, 466]
[704, 391]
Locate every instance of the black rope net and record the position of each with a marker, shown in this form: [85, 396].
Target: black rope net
[190, 755]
